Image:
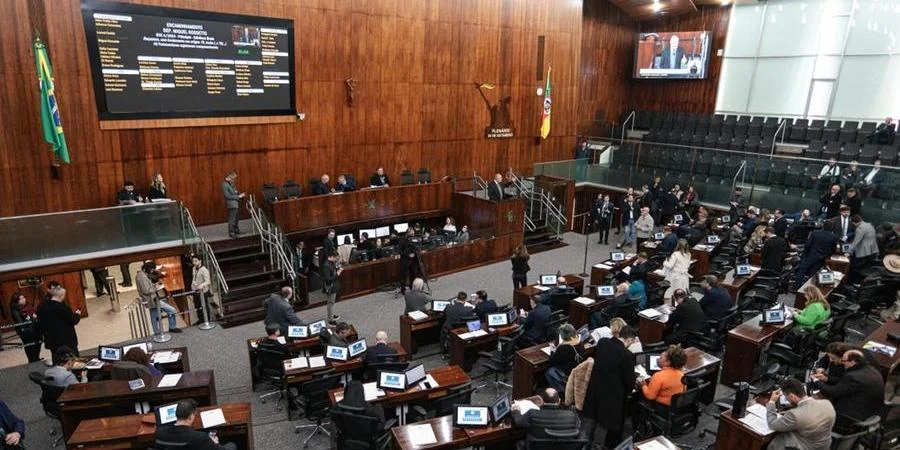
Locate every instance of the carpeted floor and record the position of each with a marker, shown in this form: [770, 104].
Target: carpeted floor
[223, 350]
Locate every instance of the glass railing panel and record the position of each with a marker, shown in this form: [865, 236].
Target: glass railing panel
[53, 235]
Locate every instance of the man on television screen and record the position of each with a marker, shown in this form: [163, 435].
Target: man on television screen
[671, 56]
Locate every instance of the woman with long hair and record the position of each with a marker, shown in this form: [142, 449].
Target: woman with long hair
[137, 355]
[816, 311]
[520, 266]
[157, 188]
[676, 268]
[24, 319]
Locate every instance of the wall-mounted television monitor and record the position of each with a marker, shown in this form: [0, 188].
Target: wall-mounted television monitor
[672, 55]
[151, 62]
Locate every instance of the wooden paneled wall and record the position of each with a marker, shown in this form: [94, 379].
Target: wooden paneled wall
[416, 63]
[694, 96]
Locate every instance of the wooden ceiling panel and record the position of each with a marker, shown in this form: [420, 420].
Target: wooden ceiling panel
[641, 10]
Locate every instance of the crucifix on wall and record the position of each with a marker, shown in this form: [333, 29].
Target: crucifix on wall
[351, 88]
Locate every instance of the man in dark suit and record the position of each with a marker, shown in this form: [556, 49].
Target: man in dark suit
[302, 258]
[416, 298]
[56, 322]
[859, 394]
[716, 299]
[409, 259]
[456, 311]
[672, 55]
[670, 240]
[687, 317]
[781, 223]
[280, 312]
[820, 244]
[872, 179]
[550, 416]
[842, 225]
[831, 202]
[612, 380]
[322, 187]
[379, 178]
[495, 188]
[535, 324]
[851, 176]
[344, 185]
[182, 433]
[329, 246]
[484, 305]
[620, 297]
[339, 336]
[601, 214]
[667, 204]
[381, 351]
[884, 133]
[271, 343]
[774, 251]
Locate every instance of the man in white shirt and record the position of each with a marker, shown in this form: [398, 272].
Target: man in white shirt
[872, 179]
[200, 282]
[829, 174]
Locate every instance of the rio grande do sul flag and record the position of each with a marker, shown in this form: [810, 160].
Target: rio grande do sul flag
[545, 114]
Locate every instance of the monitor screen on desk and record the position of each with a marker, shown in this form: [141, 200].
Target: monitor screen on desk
[678, 218]
[401, 227]
[497, 320]
[357, 347]
[109, 353]
[298, 331]
[473, 325]
[774, 316]
[370, 233]
[383, 231]
[415, 375]
[725, 219]
[142, 345]
[511, 315]
[440, 305]
[548, 280]
[392, 380]
[742, 270]
[342, 237]
[336, 353]
[605, 290]
[500, 409]
[617, 256]
[316, 327]
[712, 239]
[165, 414]
[826, 277]
[471, 416]
[659, 236]
[845, 248]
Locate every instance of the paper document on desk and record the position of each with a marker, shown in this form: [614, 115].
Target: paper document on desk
[212, 418]
[880, 348]
[603, 266]
[472, 334]
[94, 364]
[756, 419]
[650, 313]
[542, 288]
[547, 350]
[659, 272]
[523, 406]
[417, 315]
[317, 361]
[169, 380]
[584, 301]
[641, 372]
[296, 363]
[601, 333]
[166, 357]
[421, 435]
[282, 340]
[652, 445]
[627, 270]
[430, 380]
[371, 391]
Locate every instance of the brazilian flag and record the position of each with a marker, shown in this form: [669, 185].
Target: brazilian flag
[50, 122]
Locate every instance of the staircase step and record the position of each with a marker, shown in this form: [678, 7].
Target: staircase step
[235, 244]
[264, 287]
[246, 275]
[242, 258]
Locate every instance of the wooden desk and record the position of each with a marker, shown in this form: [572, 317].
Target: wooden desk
[528, 367]
[734, 435]
[395, 203]
[599, 274]
[580, 314]
[138, 431]
[702, 254]
[298, 376]
[411, 329]
[649, 248]
[297, 347]
[522, 296]
[114, 398]
[182, 365]
[460, 348]
[800, 298]
[733, 284]
[654, 330]
[885, 362]
[744, 345]
[838, 263]
[448, 437]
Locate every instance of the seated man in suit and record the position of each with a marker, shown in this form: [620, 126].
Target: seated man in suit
[859, 394]
[454, 313]
[559, 288]
[344, 185]
[872, 179]
[667, 245]
[379, 178]
[807, 425]
[774, 251]
[601, 318]
[535, 324]
[851, 176]
[550, 416]
[495, 188]
[819, 246]
[381, 351]
[687, 317]
[322, 187]
[781, 223]
[484, 305]
[183, 434]
[337, 337]
[884, 133]
[716, 299]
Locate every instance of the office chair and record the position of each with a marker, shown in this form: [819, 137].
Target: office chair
[406, 177]
[424, 176]
[628, 310]
[865, 430]
[269, 192]
[371, 372]
[163, 445]
[568, 439]
[316, 404]
[49, 395]
[677, 419]
[290, 189]
[501, 360]
[357, 431]
[713, 338]
[271, 373]
[443, 406]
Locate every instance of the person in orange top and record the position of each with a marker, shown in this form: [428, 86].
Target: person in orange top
[667, 382]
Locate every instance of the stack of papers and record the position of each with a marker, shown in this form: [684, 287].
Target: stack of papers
[417, 315]
[317, 361]
[650, 313]
[472, 334]
[371, 391]
[547, 350]
[523, 406]
[542, 288]
[421, 435]
[603, 266]
[212, 418]
[641, 372]
[296, 363]
[756, 419]
[166, 357]
[880, 348]
[584, 301]
[601, 333]
[169, 380]
[652, 445]
[94, 364]
[627, 270]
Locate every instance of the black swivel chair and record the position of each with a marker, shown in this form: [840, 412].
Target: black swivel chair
[269, 192]
[163, 445]
[680, 417]
[501, 360]
[443, 406]
[406, 177]
[861, 432]
[49, 396]
[316, 404]
[371, 372]
[290, 189]
[357, 431]
[271, 373]
[568, 439]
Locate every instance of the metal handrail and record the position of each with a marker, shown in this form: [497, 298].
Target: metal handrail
[206, 249]
[782, 127]
[631, 117]
[741, 169]
[272, 240]
[547, 209]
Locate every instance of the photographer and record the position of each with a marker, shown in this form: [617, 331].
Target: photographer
[409, 260]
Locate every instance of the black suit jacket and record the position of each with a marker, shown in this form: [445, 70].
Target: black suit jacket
[665, 63]
[375, 180]
[831, 204]
[839, 231]
[495, 191]
[454, 313]
[773, 252]
[688, 316]
[56, 322]
[781, 226]
[180, 434]
[536, 322]
[486, 307]
[373, 354]
[320, 188]
[858, 395]
[549, 417]
[634, 209]
[819, 246]
[612, 379]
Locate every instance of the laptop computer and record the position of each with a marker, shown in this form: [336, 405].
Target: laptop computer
[473, 325]
[395, 381]
[605, 291]
[298, 331]
[497, 319]
[584, 333]
[678, 218]
[548, 280]
[712, 239]
[165, 414]
[500, 409]
[439, 305]
[415, 375]
[825, 277]
[659, 236]
[773, 316]
[357, 348]
[471, 416]
[108, 353]
[511, 315]
[617, 256]
[742, 270]
[336, 353]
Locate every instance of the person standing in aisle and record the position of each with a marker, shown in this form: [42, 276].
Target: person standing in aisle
[232, 203]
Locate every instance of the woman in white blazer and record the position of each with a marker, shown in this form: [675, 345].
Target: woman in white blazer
[676, 268]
